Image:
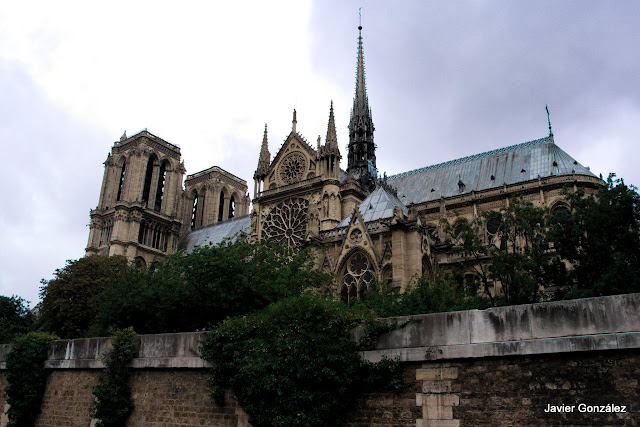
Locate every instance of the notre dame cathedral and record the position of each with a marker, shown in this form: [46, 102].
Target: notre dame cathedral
[365, 226]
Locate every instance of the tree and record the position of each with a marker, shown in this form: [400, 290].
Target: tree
[199, 289]
[472, 251]
[524, 261]
[599, 235]
[295, 363]
[71, 298]
[15, 318]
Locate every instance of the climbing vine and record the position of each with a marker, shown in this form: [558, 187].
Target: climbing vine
[27, 377]
[113, 403]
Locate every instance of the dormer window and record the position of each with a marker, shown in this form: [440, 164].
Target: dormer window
[461, 186]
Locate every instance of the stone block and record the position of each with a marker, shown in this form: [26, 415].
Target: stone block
[437, 423]
[436, 373]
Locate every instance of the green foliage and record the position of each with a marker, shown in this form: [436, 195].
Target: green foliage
[523, 261]
[113, 403]
[294, 363]
[15, 318]
[190, 292]
[600, 236]
[424, 295]
[26, 377]
[70, 299]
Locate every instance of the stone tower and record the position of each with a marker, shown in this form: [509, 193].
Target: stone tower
[138, 211]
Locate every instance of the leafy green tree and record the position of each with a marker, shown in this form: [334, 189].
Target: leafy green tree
[191, 292]
[524, 261]
[425, 294]
[599, 235]
[15, 318]
[26, 377]
[471, 251]
[70, 299]
[293, 363]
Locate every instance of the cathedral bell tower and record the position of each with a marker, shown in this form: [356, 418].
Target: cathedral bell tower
[362, 150]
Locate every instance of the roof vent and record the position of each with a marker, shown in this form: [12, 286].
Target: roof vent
[575, 162]
[555, 164]
[433, 190]
[493, 178]
[461, 186]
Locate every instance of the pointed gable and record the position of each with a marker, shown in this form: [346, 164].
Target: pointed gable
[378, 205]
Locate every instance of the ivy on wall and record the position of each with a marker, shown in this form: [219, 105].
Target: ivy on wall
[26, 377]
[113, 403]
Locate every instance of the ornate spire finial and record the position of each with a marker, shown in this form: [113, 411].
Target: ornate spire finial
[265, 157]
[294, 120]
[332, 138]
[546, 107]
[361, 145]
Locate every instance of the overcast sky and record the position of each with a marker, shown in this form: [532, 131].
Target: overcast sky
[445, 80]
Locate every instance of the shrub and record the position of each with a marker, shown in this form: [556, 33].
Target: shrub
[294, 363]
[27, 377]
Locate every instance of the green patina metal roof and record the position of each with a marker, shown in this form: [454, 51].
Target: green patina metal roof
[508, 165]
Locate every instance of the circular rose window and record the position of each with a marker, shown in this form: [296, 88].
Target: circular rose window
[293, 167]
[287, 222]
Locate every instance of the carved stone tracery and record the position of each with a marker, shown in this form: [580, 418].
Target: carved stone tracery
[293, 167]
[286, 223]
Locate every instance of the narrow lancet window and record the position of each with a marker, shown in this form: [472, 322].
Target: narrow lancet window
[194, 210]
[121, 184]
[221, 206]
[162, 176]
[232, 207]
[147, 181]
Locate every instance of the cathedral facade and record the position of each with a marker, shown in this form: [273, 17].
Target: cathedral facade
[361, 226]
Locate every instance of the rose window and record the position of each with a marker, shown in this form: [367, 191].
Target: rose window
[292, 168]
[287, 222]
[357, 278]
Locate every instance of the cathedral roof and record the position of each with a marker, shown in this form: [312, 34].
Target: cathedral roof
[491, 169]
[378, 205]
[233, 229]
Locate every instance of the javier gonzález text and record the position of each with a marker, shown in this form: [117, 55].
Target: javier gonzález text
[583, 407]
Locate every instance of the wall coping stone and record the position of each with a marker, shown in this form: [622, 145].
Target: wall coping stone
[590, 324]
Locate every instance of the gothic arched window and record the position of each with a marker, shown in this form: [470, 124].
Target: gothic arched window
[357, 277]
[194, 210]
[121, 184]
[146, 189]
[232, 207]
[162, 177]
[221, 206]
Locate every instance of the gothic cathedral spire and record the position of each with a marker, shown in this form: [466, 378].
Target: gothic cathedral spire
[263, 163]
[362, 156]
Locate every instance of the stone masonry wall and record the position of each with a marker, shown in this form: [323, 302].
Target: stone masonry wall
[160, 397]
[68, 397]
[3, 385]
[387, 408]
[516, 391]
[502, 366]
